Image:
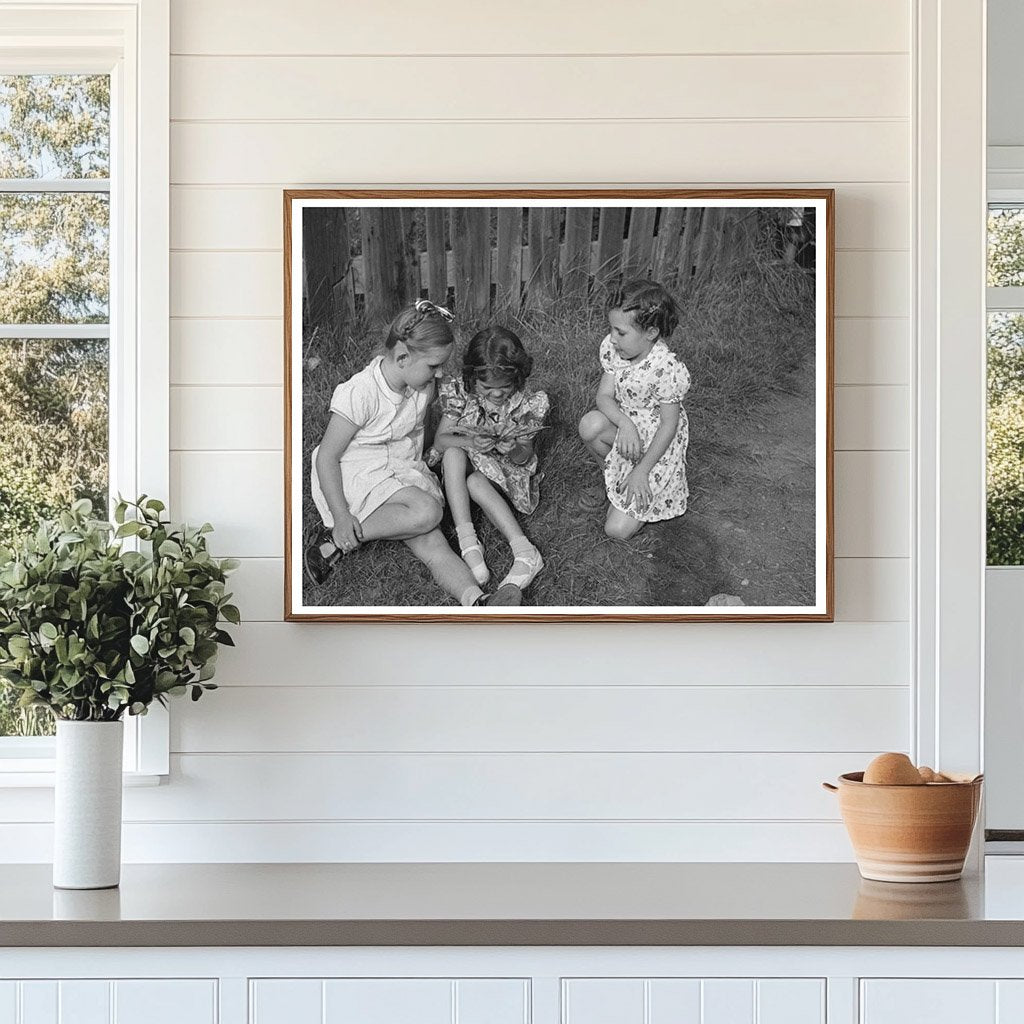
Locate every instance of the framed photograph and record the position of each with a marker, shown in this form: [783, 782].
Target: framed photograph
[558, 405]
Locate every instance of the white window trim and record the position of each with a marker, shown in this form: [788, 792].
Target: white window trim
[949, 322]
[131, 41]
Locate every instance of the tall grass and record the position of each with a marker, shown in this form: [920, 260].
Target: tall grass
[741, 337]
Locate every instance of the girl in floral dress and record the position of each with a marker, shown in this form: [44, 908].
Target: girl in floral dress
[639, 431]
[485, 441]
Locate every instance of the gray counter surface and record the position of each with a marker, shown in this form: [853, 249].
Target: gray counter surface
[495, 904]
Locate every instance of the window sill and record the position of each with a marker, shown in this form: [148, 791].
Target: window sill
[39, 774]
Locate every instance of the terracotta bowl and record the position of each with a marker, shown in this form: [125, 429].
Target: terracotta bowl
[909, 833]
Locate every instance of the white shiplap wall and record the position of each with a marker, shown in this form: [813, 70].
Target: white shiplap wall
[662, 741]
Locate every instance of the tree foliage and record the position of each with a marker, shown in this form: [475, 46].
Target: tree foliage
[1005, 480]
[54, 269]
[1005, 247]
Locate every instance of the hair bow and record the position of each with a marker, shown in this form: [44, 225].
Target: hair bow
[426, 306]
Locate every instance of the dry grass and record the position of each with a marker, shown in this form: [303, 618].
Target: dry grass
[742, 339]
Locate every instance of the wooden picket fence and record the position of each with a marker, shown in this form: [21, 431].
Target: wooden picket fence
[377, 259]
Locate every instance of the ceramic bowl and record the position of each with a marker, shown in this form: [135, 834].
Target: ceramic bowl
[909, 833]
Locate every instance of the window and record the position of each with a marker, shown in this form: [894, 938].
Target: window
[54, 309]
[1005, 477]
[84, 125]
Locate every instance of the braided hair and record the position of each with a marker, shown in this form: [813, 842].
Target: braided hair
[650, 304]
[496, 356]
[421, 327]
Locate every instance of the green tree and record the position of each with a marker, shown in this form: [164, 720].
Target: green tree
[1005, 483]
[1005, 247]
[54, 269]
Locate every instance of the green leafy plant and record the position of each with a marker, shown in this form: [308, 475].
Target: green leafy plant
[91, 630]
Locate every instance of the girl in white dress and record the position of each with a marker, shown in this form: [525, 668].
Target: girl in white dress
[639, 431]
[368, 477]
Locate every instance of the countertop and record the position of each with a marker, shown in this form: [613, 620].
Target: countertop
[494, 904]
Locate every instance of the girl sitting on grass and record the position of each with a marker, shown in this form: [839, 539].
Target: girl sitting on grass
[639, 431]
[490, 417]
[369, 480]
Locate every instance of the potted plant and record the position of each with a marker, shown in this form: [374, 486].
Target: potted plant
[93, 630]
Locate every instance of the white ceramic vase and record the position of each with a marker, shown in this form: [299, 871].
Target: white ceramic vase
[87, 805]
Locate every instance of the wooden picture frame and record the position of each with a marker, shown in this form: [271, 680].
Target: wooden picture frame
[753, 272]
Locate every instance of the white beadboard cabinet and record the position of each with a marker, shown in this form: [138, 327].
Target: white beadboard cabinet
[109, 1001]
[513, 985]
[942, 1001]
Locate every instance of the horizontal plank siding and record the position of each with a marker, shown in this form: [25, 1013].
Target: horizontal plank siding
[464, 719]
[221, 88]
[792, 654]
[733, 26]
[230, 842]
[693, 152]
[502, 786]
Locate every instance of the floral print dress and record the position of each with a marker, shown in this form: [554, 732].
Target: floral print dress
[526, 408]
[640, 390]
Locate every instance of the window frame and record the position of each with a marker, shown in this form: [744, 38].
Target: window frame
[130, 41]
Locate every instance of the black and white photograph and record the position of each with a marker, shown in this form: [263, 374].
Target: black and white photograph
[567, 405]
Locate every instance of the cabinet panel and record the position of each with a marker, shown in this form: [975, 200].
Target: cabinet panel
[38, 1002]
[603, 1001]
[928, 1001]
[84, 1002]
[165, 1002]
[693, 1001]
[8, 1002]
[1009, 1002]
[285, 1001]
[674, 1000]
[727, 1001]
[389, 1001]
[492, 1001]
[790, 1001]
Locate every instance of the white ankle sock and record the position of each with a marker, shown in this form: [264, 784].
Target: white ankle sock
[468, 539]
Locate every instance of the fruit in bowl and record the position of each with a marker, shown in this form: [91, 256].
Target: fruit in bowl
[908, 824]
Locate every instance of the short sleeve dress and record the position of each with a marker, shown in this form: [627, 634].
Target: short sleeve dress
[640, 390]
[386, 454]
[526, 408]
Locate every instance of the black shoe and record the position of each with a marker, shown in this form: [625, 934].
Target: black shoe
[321, 557]
[507, 594]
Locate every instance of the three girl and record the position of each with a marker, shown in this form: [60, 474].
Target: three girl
[370, 482]
[639, 431]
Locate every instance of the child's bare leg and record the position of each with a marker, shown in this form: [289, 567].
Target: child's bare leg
[456, 465]
[409, 512]
[619, 525]
[598, 434]
[486, 495]
[527, 559]
[449, 571]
